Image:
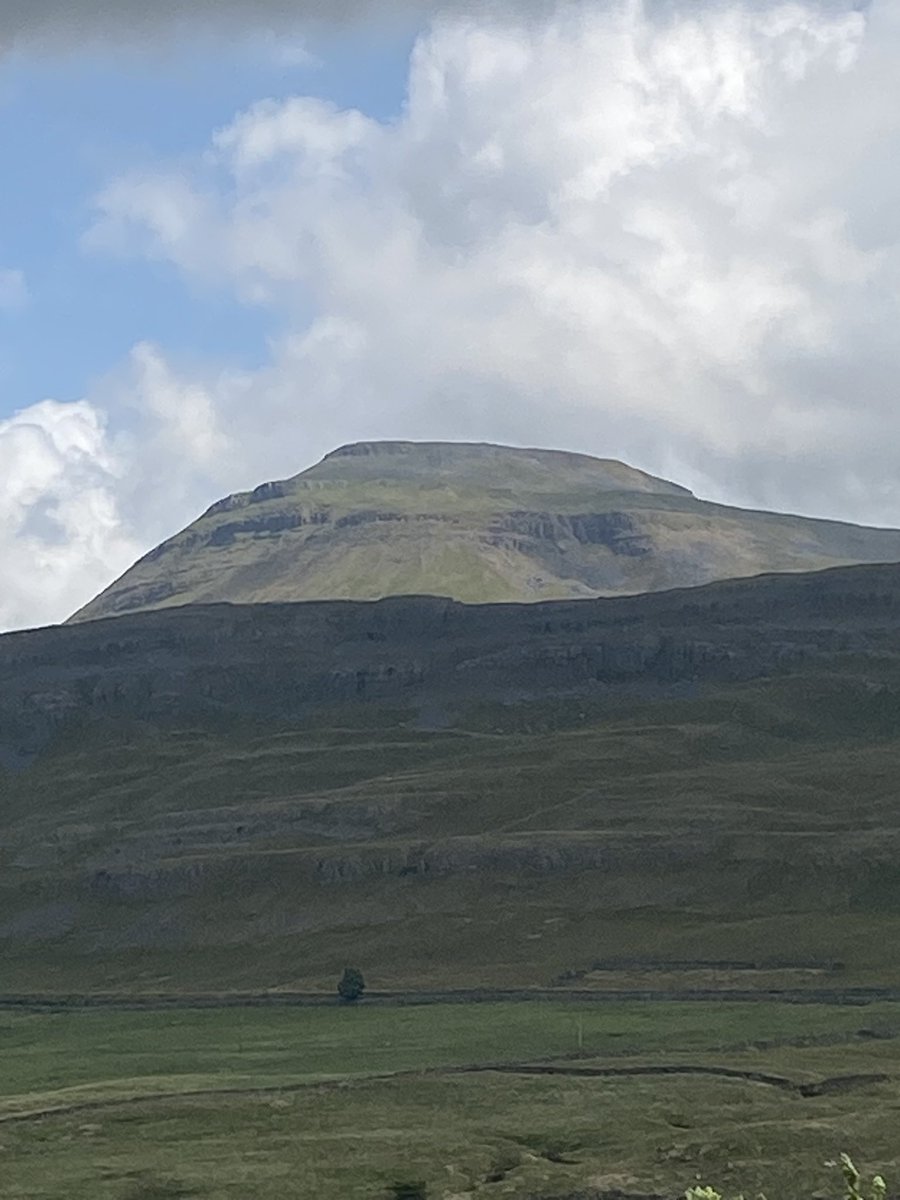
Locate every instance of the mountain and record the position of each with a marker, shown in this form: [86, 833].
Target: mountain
[252, 796]
[477, 523]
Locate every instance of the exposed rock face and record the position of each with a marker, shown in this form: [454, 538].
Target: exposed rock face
[477, 523]
[275, 660]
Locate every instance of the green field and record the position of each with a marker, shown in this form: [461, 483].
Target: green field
[339, 1102]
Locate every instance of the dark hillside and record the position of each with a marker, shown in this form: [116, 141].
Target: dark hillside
[254, 795]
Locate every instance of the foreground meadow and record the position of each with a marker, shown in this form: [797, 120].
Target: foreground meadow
[342, 1102]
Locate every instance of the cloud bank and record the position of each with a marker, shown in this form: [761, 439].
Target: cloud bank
[669, 236]
[59, 23]
[60, 523]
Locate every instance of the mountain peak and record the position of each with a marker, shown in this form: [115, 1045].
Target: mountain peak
[476, 522]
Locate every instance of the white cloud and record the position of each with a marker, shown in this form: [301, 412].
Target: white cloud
[59, 524]
[184, 411]
[80, 500]
[665, 233]
[620, 227]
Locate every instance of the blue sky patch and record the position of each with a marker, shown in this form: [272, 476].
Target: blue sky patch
[70, 124]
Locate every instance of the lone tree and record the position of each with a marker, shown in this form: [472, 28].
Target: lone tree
[351, 985]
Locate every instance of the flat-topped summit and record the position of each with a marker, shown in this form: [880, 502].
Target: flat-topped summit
[484, 463]
[476, 522]
[476, 467]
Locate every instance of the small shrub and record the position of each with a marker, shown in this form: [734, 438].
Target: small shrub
[150, 1186]
[408, 1190]
[557, 1149]
[504, 1161]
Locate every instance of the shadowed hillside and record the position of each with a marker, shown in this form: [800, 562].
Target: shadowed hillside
[507, 795]
[478, 523]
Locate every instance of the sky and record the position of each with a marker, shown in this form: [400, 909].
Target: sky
[237, 234]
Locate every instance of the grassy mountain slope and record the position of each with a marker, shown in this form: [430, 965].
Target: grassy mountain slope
[253, 796]
[478, 523]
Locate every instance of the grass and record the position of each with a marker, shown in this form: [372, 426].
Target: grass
[49, 1051]
[339, 1103]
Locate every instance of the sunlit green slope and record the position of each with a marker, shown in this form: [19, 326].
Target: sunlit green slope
[477, 523]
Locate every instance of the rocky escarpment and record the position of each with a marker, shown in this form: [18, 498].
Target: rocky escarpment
[279, 659]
